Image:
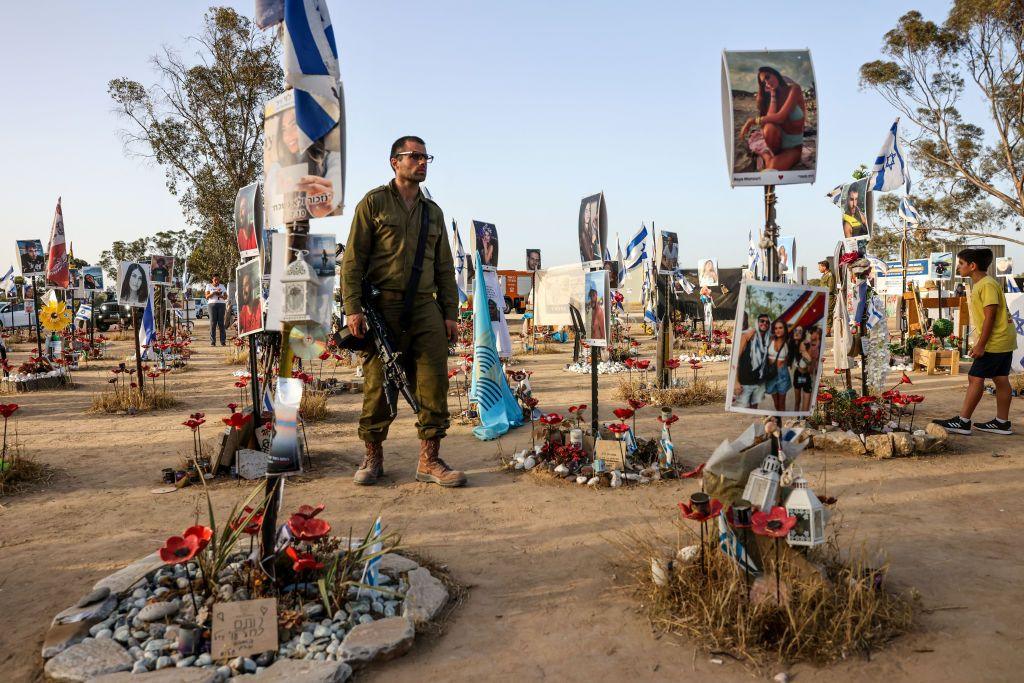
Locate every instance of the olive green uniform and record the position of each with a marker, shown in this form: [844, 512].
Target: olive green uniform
[382, 246]
[829, 280]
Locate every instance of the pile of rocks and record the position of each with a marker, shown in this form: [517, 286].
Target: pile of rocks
[605, 367]
[932, 439]
[142, 621]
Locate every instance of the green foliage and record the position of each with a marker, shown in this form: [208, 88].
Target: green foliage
[202, 122]
[970, 178]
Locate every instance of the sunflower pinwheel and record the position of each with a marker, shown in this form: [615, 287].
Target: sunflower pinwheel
[55, 316]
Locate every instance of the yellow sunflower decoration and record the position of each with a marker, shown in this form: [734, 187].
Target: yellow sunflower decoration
[55, 316]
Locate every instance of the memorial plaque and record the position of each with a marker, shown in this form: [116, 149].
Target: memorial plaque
[244, 628]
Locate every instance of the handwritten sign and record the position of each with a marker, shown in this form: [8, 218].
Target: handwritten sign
[244, 628]
[611, 452]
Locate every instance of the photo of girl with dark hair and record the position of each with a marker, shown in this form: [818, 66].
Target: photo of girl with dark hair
[132, 284]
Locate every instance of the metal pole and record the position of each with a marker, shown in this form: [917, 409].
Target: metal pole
[771, 233]
[138, 350]
[254, 383]
[594, 355]
[904, 321]
[35, 305]
[92, 319]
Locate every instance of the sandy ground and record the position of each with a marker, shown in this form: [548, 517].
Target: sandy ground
[543, 600]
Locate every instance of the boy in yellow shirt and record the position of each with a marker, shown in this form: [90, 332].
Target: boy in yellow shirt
[993, 351]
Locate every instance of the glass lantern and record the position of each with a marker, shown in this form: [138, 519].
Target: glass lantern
[763, 484]
[809, 513]
[300, 292]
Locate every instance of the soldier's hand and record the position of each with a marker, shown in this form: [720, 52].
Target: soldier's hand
[452, 328]
[356, 324]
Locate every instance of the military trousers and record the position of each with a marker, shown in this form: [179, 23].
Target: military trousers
[424, 349]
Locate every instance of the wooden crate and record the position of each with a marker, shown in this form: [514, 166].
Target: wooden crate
[934, 361]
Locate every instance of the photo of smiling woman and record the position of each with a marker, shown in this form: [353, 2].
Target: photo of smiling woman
[132, 284]
[777, 349]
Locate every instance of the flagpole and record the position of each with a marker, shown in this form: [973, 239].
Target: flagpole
[904, 323]
[138, 350]
[92, 319]
[35, 306]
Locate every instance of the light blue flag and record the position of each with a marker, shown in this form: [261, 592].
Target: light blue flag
[147, 330]
[1011, 285]
[7, 275]
[84, 313]
[620, 265]
[371, 572]
[636, 249]
[908, 212]
[890, 170]
[496, 407]
[310, 58]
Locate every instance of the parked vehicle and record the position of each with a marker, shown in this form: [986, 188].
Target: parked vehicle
[13, 315]
[200, 308]
[111, 313]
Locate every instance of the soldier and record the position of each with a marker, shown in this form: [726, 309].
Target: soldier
[382, 246]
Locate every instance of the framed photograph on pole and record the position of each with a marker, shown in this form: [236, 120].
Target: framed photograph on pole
[593, 230]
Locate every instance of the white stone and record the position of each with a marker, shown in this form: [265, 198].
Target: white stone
[87, 660]
[378, 641]
[427, 596]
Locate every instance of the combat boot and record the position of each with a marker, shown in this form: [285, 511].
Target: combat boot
[372, 467]
[433, 469]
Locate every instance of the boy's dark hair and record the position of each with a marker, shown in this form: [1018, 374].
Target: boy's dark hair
[979, 256]
[398, 144]
[824, 262]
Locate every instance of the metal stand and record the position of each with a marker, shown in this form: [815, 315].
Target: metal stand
[138, 350]
[904, 259]
[35, 306]
[594, 356]
[771, 234]
[254, 383]
[92, 319]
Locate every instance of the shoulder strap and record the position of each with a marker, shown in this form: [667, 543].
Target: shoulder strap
[417, 269]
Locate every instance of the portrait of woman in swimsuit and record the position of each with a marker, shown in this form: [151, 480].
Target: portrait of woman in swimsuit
[779, 138]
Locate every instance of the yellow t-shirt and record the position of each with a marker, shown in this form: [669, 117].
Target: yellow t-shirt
[987, 292]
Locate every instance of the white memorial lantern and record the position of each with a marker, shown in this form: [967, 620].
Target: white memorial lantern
[300, 292]
[809, 513]
[763, 484]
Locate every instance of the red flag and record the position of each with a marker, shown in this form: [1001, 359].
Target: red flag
[57, 272]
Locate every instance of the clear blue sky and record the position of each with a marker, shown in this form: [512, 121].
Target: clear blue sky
[528, 107]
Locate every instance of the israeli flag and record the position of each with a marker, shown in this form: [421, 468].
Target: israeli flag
[460, 263]
[371, 571]
[685, 285]
[311, 67]
[907, 212]
[7, 275]
[836, 195]
[890, 170]
[147, 330]
[497, 409]
[620, 265]
[84, 313]
[648, 298]
[753, 253]
[1011, 285]
[636, 249]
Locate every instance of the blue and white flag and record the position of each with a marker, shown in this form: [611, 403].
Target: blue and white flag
[460, 263]
[84, 313]
[836, 195]
[636, 249]
[890, 170]
[310, 58]
[9, 275]
[371, 572]
[907, 211]
[620, 265]
[732, 547]
[1011, 285]
[753, 253]
[497, 409]
[647, 294]
[147, 330]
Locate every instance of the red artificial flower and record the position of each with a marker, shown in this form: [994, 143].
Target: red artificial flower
[309, 512]
[254, 524]
[916, 398]
[864, 400]
[551, 419]
[241, 384]
[201, 533]
[134, 385]
[7, 409]
[618, 428]
[152, 375]
[776, 524]
[890, 394]
[634, 343]
[672, 363]
[237, 420]
[453, 372]
[714, 509]
[635, 404]
[302, 562]
[577, 409]
[670, 421]
[849, 257]
[325, 355]
[904, 379]
[643, 364]
[193, 424]
[233, 407]
[695, 472]
[177, 549]
[623, 413]
[530, 402]
[629, 362]
[308, 529]
[824, 397]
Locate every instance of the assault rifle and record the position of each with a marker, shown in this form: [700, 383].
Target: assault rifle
[377, 331]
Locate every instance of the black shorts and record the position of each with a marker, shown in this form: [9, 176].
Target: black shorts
[802, 380]
[992, 365]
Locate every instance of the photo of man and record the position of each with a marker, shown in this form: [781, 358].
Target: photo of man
[485, 240]
[162, 269]
[30, 255]
[595, 304]
[248, 301]
[942, 264]
[248, 220]
[707, 272]
[775, 365]
[668, 252]
[856, 222]
[590, 228]
[1004, 266]
[533, 259]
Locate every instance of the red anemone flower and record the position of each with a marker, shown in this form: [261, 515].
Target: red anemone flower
[635, 404]
[309, 512]
[551, 419]
[237, 420]
[916, 398]
[695, 472]
[453, 372]
[904, 379]
[177, 549]
[233, 407]
[577, 409]
[325, 355]
[714, 509]
[824, 397]
[302, 562]
[308, 529]
[618, 428]
[890, 394]
[7, 409]
[776, 524]
[201, 533]
[643, 364]
[864, 400]
[254, 524]
[672, 363]
[629, 362]
[623, 413]
[531, 402]
[670, 421]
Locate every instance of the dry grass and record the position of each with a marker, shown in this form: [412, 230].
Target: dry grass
[19, 473]
[695, 393]
[132, 400]
[1017, 382]
[819, 621]
[119, 334]
[313, 407]
[237, 355]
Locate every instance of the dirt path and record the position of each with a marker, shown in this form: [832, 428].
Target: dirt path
[543, 600]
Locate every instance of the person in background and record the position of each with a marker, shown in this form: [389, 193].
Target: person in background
[828, 279]
[993, 350]
[216, 299]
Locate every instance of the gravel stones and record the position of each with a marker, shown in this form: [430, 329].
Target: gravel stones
[158, 610]
[88, 659]
[380, 640]
[426, 596]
